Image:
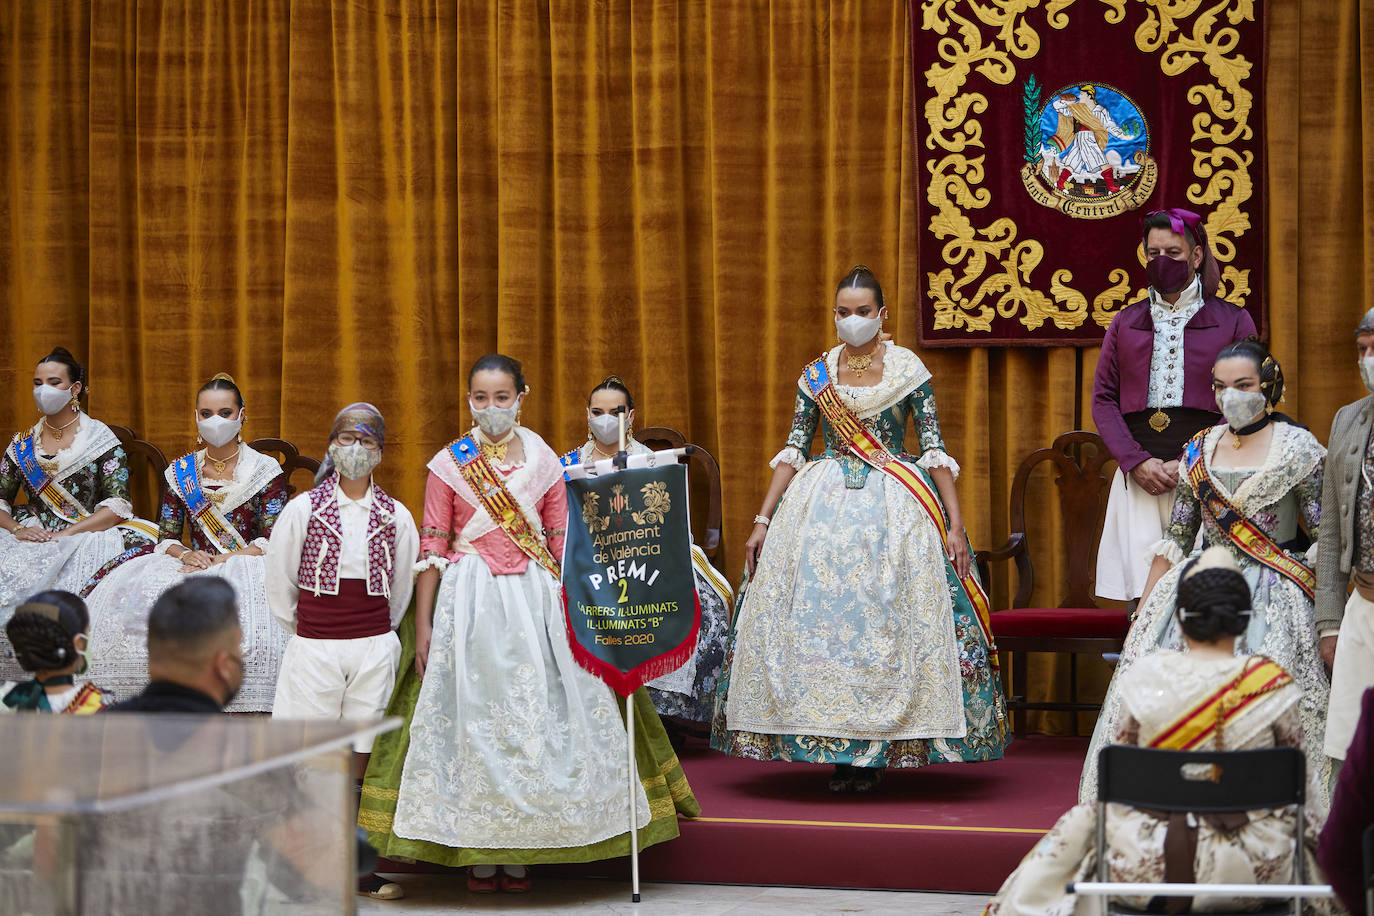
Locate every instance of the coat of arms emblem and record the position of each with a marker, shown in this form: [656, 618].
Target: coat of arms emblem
[1086, 150]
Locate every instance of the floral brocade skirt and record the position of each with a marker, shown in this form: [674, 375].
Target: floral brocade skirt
[842, 629]
[507, 739]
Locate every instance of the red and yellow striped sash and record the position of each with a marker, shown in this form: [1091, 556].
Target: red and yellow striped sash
[1208, 718]
[499, 503]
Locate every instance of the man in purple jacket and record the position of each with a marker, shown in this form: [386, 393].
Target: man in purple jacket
[1153, 391]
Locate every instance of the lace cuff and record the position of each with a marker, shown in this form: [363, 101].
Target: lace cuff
[166, 545]
[790, 456]
[430, 561]
[1311, 558]
[1329, 631]
[1167, 549]
[6, 506]
[121, 507]
[936, 458]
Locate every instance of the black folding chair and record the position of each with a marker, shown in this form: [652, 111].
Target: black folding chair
[1201, 782]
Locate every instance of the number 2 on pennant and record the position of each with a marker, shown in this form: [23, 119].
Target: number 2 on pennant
[624, 591]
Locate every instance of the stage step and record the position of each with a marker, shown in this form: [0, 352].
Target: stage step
[953, 827]
[957, 828]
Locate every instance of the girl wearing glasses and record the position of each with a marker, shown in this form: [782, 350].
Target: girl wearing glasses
[339, 580]
[225, 499]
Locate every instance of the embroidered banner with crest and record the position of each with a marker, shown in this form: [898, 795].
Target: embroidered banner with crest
[628, 588]
[1046, 132]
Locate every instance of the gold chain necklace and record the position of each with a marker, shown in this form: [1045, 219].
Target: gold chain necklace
[496, 451]
[596, 449]
[57, 430]
[218, 463]
[859, 364]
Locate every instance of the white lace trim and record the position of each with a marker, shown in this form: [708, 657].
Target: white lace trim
[92, 440]
[6, 506]
[937, 458]
[903, 373]
[1167, 549]
[166, 545]
[1293, 454]
[435, 562]
[790, 456]
[121, 507]
[252, 473]
[1312, 555]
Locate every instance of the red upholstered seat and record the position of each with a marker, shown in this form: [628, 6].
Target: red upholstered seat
[1060, 623]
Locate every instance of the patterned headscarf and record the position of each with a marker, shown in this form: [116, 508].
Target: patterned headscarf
[360, 416]
[1366, 325]
[1189, 225]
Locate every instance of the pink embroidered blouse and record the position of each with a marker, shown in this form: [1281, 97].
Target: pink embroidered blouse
[455, 524]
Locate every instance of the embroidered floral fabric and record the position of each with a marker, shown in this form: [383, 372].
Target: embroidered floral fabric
[102, 479]
[1259, 851]
[1286, 489]
[120, 600]
[855, 643]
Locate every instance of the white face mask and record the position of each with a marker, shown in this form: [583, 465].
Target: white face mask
[856, 330]
[219, 430]
[51, 399]
[353, 462]
[1367, 372]
[606, 428]
[495, 421]
[1241, 408]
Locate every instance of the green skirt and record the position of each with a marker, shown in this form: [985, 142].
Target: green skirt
[660, 773]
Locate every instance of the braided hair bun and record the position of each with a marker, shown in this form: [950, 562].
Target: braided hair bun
[44, 628]
[1213, 597]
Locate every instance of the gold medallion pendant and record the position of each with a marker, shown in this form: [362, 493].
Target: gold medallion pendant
[1159, 421]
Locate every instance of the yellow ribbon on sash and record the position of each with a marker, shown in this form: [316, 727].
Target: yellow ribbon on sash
[1259, 676]
[499, 503]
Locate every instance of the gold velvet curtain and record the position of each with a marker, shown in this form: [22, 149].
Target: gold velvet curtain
[343, 200]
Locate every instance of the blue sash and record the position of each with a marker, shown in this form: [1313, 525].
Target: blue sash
[188, 483]
[48, 490]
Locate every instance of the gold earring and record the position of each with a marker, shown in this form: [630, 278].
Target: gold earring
[199, 441]
[76, 404]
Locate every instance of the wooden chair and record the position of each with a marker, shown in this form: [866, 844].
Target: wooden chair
[147, 485]
[290, 457]
[1075, 624]
[705, 487]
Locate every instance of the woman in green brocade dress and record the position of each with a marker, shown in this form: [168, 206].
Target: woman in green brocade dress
[856, 643]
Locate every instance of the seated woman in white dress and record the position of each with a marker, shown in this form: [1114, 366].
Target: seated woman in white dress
[77, 520]
[689, 693]
[1203, 698]
[1252, 485]
[227, 498]
[49, 634]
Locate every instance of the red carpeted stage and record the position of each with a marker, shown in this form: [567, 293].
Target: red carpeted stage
[944, 828]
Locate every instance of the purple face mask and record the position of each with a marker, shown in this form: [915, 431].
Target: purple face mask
[1168, 275]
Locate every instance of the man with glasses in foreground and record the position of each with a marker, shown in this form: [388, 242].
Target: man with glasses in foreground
[339, 580]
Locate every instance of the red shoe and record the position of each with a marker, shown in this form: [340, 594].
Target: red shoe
[513, 885]
[478, 885]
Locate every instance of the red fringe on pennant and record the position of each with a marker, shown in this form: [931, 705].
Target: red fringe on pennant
[625, 683]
